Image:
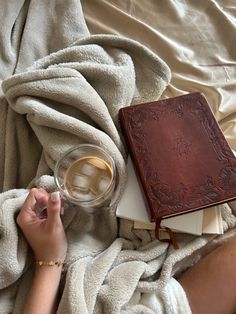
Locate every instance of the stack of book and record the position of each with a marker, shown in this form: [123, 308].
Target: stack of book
[181, 167]
[132, 207]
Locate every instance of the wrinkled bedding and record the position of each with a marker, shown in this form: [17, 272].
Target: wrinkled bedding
[62, 84]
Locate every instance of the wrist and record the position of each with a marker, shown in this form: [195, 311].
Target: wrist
[47, 258]
[52, 264]
[50, 273]
[44, 290]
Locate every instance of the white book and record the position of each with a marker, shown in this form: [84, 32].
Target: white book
[132, 207]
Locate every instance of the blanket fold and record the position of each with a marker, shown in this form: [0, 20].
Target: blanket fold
[65, 101]
[62, 87]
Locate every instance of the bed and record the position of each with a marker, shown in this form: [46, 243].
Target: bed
[63, 84]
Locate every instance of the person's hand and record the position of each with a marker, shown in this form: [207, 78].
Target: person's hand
[44, 234]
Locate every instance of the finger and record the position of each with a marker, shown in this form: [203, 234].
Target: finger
[53, 208]
[62, 206]
[40, 207]
[27, 212]
[36, 197]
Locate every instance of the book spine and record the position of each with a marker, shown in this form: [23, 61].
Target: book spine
[131, 149]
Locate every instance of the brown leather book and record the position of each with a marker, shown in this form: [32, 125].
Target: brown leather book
[181, 157]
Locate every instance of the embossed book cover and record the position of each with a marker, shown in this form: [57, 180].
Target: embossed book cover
[181, 157]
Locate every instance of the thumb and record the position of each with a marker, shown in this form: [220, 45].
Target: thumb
[54, 207]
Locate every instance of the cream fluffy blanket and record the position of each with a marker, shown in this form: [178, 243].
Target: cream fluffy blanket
[62, 87]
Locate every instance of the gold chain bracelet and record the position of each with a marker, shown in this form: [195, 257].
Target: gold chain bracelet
[50, 263]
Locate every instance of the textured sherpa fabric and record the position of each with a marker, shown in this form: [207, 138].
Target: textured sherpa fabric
[62, 87]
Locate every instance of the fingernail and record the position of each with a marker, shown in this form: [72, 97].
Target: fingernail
[55, 196]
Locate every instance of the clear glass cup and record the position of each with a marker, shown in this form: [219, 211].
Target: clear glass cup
[86, 176]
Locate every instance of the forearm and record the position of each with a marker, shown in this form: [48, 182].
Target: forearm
[42, 297]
